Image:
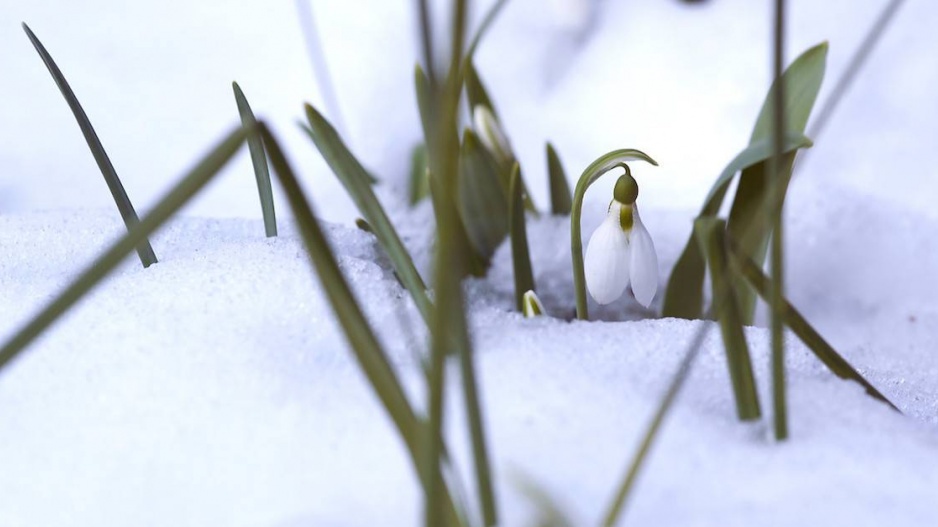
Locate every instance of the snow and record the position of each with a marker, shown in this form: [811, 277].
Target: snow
[215, 388]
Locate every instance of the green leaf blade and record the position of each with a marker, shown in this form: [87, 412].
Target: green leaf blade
[561, 199]
[259, 161]
[520, 253]
[710, 234]
[124, 206]
[357, 183]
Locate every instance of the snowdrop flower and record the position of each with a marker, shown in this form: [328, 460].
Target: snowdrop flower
[491, 134]
[621, 251]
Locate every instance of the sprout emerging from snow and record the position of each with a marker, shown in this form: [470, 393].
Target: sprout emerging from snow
[621, 251]
[531, 305]
[491, 134]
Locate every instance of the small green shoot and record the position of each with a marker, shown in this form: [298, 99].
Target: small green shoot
[520, 254]
[560, 197]
[259, 160]
[531, 305]
[124, 206]
[597, 168]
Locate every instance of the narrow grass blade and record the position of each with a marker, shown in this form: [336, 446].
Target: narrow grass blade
[799, 87]
[259, 160]
[481, 199]
[304, 11]
[520, 254]
[368, 351]
[426, 39]
[355, 179]
[624, 490]
[774, 218]
[109, 259]
[419, 174]
[748, 269]
[560, 197]
[710, 233]
[483, 471]
[603, 164]
[484, 26]
[124, 206]
[449, 331]
[684, 295]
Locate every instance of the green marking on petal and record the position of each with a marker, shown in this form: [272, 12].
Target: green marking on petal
[625, 217]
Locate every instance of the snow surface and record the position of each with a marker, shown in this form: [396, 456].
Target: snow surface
[216, 389]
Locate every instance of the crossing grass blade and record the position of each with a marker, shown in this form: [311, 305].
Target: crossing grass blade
[520, 254]
[124, 206]
[194, 181]
[356, 181]
[560, 197]
[624, 490]
[259, 160]
[710, 234]
[365, 345]
[746, 268]
[593, 172]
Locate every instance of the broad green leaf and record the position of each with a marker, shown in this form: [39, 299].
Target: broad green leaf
[603, 164]
[124, 206]
[520, 254]
[356, 181]
[684, 295]
[747, 222]
[710, 234]
[482, 201]
[560, 198]
[802, 83]
[259, 160]
[747, 268]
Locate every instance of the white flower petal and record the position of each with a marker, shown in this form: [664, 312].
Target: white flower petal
[606, 263]
[644, 262]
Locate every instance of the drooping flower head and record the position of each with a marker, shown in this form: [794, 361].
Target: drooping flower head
[621, 251]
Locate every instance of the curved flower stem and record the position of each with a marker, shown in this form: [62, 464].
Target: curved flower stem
[605, 163]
